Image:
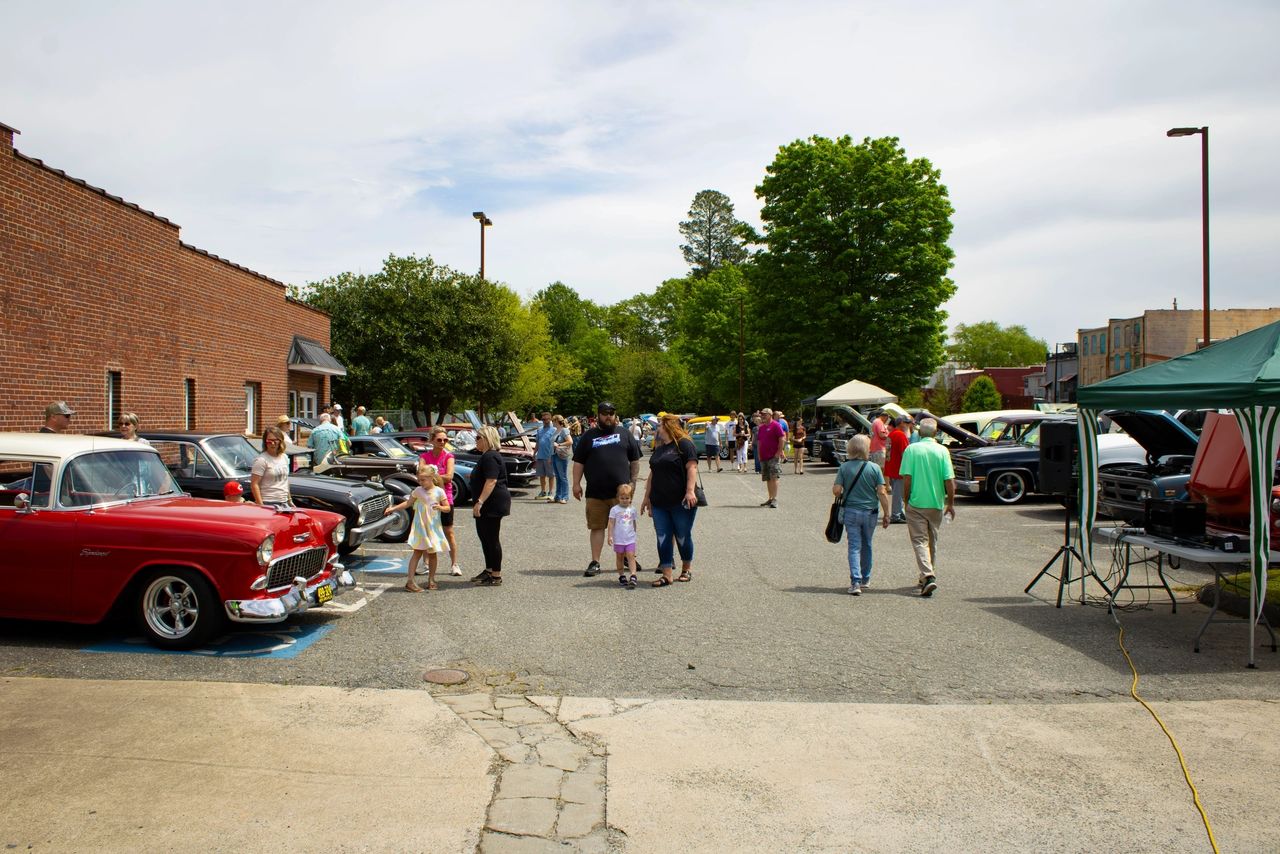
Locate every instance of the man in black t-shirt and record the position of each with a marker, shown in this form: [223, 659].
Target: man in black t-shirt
[609, 456]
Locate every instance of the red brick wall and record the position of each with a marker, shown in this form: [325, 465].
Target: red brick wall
[89, 283]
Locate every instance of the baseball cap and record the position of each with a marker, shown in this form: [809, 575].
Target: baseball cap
[58, 408]
[605, 406]
[232, 488]
[338, 406]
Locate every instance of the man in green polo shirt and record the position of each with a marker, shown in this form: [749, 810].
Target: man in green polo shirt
[930, 486]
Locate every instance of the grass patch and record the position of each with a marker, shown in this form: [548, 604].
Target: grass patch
[1239, 584]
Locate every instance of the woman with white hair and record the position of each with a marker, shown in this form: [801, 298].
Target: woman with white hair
[493, 501]
[865, 502]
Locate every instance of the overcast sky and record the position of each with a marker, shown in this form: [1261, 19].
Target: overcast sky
[305, 139]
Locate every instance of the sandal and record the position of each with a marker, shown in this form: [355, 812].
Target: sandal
[622, 580]
[685, 575]
[661, 582]
[631, 583]
[413, 588]
[431, 585]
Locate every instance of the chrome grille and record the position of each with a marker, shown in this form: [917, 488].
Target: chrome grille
[373, 509]
[306, 563]
[964, 468]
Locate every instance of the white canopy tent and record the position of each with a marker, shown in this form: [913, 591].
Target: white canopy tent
[857, 393]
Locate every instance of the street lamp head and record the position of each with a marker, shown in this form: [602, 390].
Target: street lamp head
[486, 221]
[480, 214]
[1183, 131]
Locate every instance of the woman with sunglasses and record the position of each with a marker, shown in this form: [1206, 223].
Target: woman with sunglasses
[128, 426]
[269, 479]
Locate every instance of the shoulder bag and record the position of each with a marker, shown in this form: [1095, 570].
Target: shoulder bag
[698, 492]
[835, 520]
[563, 451]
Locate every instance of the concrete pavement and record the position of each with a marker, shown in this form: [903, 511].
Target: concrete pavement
[181, 766]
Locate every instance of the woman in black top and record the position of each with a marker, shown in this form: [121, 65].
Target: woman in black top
[669, 497]
[493, 501]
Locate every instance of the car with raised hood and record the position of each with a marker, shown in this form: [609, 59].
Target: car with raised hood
[203, 463]
[951, 436]
[393, 464]
[91, 524]
[826, 442]
[1007, 473]
[1123, 489]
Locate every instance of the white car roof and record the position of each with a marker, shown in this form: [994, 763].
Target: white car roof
[60, 445]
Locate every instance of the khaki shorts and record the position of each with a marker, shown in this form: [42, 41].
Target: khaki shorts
[770, 469]
[598, 513]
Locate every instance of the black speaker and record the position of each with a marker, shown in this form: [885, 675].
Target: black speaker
[1181, 520]
[1057, 456]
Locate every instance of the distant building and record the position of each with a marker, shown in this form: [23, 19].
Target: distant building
[1009, 382]
[1158, 335]
[1057, 382]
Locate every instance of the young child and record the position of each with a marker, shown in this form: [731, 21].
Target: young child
[622, 536]
[427, 536]
[233, 491]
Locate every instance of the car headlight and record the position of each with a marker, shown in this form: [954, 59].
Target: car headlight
[266, 549]
[1143, 494]
[339, 533]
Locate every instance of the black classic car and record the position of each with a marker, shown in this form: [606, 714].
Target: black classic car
[520, 470]
[1123, 490]
[394, 464]
[951, 436]
[203, 463]
[826, 442]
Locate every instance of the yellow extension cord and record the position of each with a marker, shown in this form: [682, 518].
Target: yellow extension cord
[1133, 692]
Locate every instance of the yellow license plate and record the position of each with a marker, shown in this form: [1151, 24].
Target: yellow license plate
[324, 593]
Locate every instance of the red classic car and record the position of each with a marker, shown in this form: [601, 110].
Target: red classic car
[90, 523]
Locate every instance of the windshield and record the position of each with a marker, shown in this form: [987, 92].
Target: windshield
[995, 429]
[234, 453]
[395, 450]
[107, 476]
[1031, 436]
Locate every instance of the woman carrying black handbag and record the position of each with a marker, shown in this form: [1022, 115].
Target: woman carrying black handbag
[865, 500]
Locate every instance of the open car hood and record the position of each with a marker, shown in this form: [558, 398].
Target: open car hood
[1159, 433]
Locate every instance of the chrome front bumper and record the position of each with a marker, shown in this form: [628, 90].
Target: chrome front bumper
[970, 487]
[356, 536]
[299, 597]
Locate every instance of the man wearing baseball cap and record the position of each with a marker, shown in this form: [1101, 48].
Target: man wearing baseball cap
[57, 417]
[609, 456]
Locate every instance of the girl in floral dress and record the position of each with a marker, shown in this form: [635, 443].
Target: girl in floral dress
[427, 536]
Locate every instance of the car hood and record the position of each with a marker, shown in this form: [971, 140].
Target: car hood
[1159, 433]
[334, 488]
[998, 453]
[187, 518]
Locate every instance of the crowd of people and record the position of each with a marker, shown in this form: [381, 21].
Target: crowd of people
[897, 474]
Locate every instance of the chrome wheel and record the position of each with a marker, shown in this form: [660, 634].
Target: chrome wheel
[398, 530]
[178, 610]
[1008, 487]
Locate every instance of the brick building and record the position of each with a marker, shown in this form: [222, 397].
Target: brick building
[101, 304]
[1158, 335]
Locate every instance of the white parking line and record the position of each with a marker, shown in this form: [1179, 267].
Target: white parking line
[371, 592]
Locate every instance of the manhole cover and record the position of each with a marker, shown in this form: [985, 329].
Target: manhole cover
[446, 677]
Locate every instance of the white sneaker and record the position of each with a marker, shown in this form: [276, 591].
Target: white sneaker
[855, 590]
[455, 570]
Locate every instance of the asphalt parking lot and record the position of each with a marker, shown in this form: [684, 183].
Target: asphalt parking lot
[766, 617]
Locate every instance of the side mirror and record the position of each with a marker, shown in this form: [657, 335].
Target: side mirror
[22, 503]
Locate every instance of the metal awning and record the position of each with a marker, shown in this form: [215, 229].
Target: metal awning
[310, 357]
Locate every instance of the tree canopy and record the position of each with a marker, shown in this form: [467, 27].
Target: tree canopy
[713, 234]
[853, 277]
[987, 345]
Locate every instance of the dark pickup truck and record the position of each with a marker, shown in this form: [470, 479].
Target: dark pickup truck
[1123, 489]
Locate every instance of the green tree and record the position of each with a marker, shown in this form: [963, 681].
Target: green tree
[712, 232]
[419, 333]
[853, 277]
[711, 329]
[544, 370]
[981, 396]
[650, 381]
[987, 345]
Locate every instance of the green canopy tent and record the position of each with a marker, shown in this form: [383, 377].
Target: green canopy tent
[1241, 374]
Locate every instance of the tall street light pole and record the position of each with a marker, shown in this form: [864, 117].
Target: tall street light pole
[484, 221]
[1204, 210]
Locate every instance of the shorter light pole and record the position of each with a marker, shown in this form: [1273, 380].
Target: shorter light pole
[484, 221]
[1204, 211]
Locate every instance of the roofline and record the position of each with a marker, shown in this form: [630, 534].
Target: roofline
[4, 126]
[80, 182]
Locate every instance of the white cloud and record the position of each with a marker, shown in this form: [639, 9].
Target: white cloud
[302, 139]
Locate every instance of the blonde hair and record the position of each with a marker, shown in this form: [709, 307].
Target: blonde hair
[671, 424]
[131, 417]
[557, 420]
[431, 472]
[624, 491]
[491, 437]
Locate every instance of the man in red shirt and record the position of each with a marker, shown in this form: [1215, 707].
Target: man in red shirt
[771, 445]
[898, 441]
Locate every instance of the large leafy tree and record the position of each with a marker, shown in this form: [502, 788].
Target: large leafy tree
[988, 345]
[981, 396]
[853, 277]
[712, 233]
[420, 333]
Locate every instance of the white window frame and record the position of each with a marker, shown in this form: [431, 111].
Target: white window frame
[307, 400]
[250, 407]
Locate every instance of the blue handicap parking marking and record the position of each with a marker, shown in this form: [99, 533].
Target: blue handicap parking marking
[376, 564]
[285, 640]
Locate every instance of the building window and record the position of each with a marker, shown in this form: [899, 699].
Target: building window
[293, 404]
[252, 397]
[1128, 363]
[308, 402]
[189, 404]
[114, 384]
[1102, 343]
[1093, 345]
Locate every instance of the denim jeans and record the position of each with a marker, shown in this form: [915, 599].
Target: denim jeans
[674, 527]
[561, 467]
[859, 526]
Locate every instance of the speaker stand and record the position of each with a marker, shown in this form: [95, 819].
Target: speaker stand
[1065, 553]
